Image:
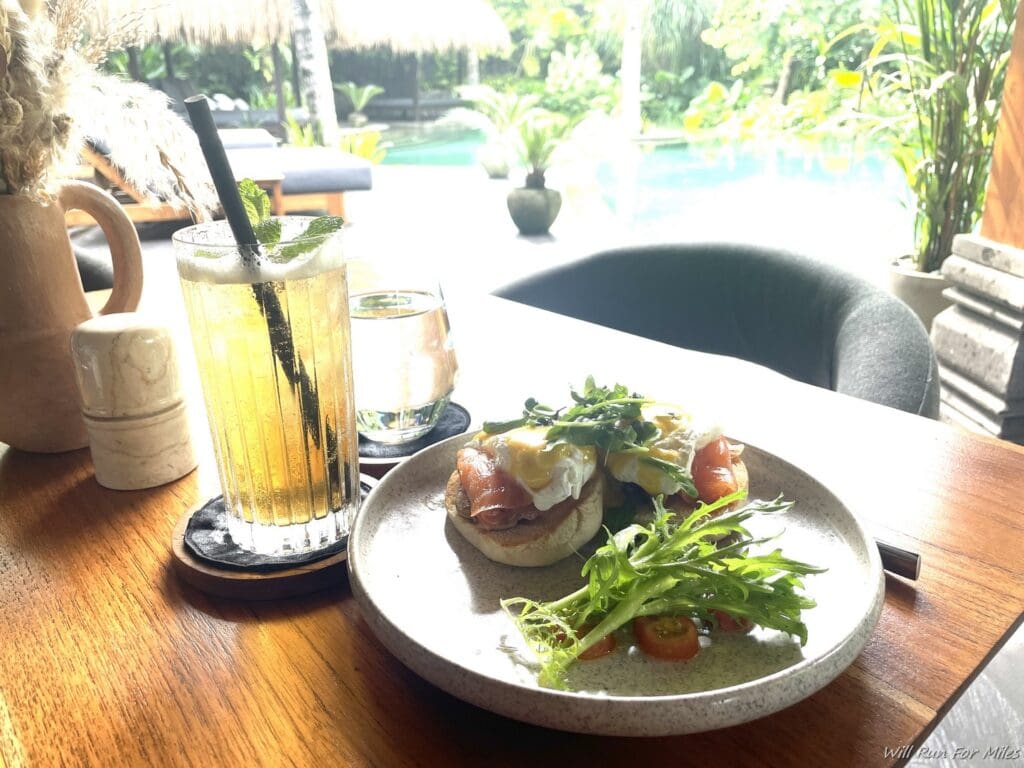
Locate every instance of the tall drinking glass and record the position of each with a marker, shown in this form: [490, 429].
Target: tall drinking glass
[273, 347]
[402, 350]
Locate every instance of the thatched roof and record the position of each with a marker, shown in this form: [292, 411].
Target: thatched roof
[405, 26]
[211, 22]
[415, 26]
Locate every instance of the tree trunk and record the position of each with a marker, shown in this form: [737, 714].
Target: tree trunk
[782, 89]
[314, 71]
[416, 87]
[169, 60]
[135, 64]
[296, 85]
[632, 38]
[275, 56]
[472, 67]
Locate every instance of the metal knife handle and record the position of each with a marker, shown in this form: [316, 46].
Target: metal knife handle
[901, 562]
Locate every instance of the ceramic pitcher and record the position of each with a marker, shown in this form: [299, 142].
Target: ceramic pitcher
[41, 301]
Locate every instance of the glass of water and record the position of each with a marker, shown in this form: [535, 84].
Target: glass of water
[403, 360]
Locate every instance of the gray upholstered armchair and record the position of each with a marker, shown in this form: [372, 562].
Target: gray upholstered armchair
[800, 317]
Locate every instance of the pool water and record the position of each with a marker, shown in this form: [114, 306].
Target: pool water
[433, 145]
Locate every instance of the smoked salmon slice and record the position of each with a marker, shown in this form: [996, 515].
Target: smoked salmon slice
[496, 500]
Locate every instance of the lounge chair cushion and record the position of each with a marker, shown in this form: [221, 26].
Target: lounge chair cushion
[304, 170]
[322, 169]
[247, 138]
[799, 316]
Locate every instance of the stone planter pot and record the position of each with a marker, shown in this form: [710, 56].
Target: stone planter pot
[534, 210]
[921, 291]
[494, 157]
[357, 119]
[41, 302]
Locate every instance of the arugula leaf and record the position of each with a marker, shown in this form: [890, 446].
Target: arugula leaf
[255, 201]
[312, 238]
[669, 568]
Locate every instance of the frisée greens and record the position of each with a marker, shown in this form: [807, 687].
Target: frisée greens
[670, 567]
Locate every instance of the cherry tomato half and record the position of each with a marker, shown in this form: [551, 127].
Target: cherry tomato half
[667, 637]
[602, 647]
[727, 623]
[712, 471]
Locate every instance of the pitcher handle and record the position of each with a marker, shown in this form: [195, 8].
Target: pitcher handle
[125, 251]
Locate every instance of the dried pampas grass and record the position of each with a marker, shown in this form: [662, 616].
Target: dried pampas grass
[52, 97]
[167, 164]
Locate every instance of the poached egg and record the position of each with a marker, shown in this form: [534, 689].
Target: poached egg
[679, 437]
[549, 472]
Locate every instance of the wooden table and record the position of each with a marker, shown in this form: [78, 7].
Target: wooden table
[106, 658]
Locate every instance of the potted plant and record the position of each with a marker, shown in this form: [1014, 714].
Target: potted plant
[358, 97]
[52, 95]
[498, 116]
[934, 83]
[534, 207]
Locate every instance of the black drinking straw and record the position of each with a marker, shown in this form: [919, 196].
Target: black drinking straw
[223, 177]
[281, 340]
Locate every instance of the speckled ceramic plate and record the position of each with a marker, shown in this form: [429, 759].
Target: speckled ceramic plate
[433, 600]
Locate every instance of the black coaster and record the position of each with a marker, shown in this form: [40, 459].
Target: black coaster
[454, 421]
[207, 539]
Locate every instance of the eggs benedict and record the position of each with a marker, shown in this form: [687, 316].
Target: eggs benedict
[524, 500]
[531, 491]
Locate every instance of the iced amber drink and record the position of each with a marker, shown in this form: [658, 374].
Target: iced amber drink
[273, 347]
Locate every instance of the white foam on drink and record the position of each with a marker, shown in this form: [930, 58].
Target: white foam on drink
[224, 266]
[228, 269]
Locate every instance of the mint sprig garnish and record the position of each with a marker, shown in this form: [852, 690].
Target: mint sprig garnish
[311, 239]
[268, 230]
[255, 201]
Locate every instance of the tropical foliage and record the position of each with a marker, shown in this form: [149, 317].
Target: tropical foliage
[365, 144]
[540, 136]
[576, 83]
[300, 134]
[496, 113]
[931, 91]
[241, 72]
[358, 95]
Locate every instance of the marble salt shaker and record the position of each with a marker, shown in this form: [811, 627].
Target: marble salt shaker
[132, 402]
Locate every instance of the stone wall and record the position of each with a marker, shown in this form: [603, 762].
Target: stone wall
[978, 339]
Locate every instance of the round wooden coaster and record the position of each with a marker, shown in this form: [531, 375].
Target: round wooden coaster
[247, 585]
[237, 584]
